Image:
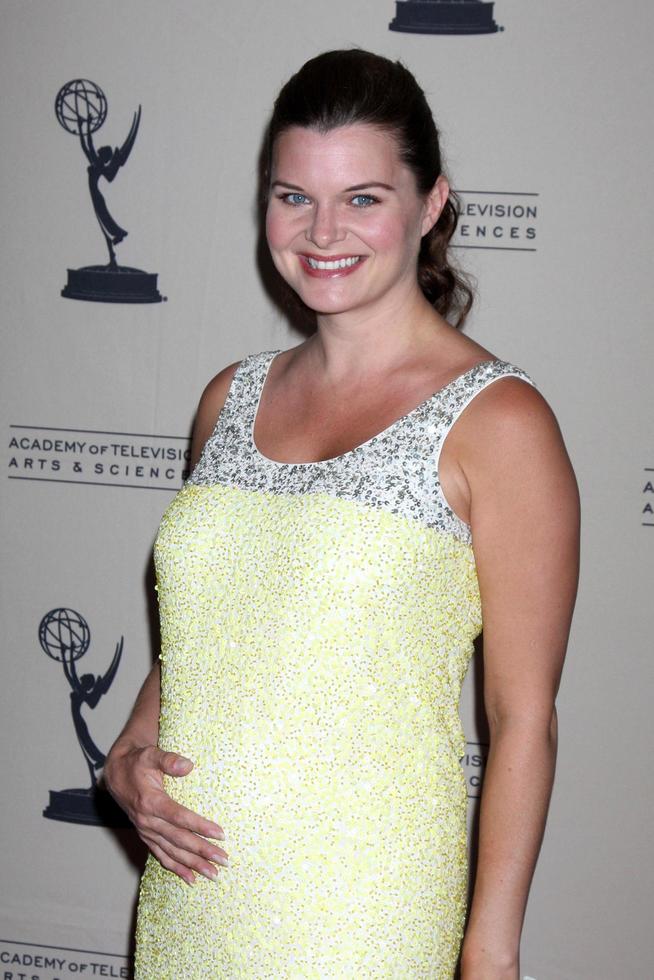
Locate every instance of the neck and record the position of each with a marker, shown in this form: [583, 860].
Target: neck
[372, 341]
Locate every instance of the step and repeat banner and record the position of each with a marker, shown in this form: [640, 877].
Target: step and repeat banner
[133, 271]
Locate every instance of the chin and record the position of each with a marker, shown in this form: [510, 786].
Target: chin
[330, 309]
[328, 304]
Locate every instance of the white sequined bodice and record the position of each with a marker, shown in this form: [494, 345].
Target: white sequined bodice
[396, 470]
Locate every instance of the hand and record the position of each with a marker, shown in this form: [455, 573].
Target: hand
[173, 833]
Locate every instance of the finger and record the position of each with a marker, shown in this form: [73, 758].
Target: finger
[174, 813]
[185, 873]
[187, 859]
[184, 840]
[173, 764]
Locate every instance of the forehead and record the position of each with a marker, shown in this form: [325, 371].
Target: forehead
[357, 151]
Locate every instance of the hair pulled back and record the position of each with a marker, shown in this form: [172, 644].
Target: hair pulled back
[339, 88]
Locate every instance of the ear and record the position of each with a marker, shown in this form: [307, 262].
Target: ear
[434, 204]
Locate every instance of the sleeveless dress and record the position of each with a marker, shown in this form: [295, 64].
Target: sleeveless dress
[317, 622]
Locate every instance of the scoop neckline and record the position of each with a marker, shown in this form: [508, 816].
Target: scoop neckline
[351, 452]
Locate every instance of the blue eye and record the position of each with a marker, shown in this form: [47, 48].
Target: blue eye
[364, 200]
[294, 198]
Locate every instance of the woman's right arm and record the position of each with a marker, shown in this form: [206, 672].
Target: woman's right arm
[135, 766]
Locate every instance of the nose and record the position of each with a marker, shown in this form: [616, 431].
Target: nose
[325, 227]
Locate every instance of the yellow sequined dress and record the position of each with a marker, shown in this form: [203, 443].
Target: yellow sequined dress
[317, 622]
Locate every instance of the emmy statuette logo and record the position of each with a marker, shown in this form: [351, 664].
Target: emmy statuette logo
[81, 108]
[444, 17]
[65, 636]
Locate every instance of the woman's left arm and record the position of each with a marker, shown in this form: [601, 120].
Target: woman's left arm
[524, 516]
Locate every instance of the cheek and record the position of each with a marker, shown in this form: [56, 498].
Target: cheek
[273, 229]
[278, 239]
[283, 225]
[389, 233]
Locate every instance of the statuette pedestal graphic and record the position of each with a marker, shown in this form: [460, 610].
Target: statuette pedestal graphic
[444, 17]
[112, 284]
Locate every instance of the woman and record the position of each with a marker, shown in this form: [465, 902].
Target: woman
[359, 505]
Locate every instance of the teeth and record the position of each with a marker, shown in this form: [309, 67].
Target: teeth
[336, 264]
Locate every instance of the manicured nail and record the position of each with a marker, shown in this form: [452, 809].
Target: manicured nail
[220, 859]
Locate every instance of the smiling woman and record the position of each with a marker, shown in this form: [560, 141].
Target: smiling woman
[314, 209]
[321, 583]
[388, 103]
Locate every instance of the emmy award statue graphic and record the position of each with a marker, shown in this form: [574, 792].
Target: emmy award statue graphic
[81, 108]
[444, 17]
[65, 636]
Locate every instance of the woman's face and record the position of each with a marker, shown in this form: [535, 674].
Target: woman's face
[344, 219]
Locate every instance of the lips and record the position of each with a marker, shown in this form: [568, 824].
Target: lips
[331, 266]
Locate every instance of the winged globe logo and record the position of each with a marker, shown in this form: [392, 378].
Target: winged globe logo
[65, 636]
[81, 108]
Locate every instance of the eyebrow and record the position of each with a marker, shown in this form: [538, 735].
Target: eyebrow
[348, 190]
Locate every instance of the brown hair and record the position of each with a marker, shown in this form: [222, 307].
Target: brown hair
[339, 88]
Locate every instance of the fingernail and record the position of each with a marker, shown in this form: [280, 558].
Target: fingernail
[213, 874]
[220, 859]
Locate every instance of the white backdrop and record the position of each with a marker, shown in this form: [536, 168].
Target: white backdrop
[550, 114]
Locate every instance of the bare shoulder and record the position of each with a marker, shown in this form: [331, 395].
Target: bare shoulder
[508, 415]
[211, 402]
[215, 391]
[515, 462]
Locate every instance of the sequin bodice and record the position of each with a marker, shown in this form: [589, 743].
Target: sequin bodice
[317, 622]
